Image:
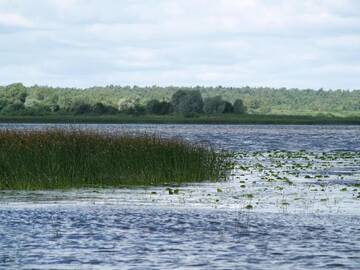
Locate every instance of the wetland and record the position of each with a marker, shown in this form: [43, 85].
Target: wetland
[290, 200]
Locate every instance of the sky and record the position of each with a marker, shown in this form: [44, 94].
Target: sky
[277, 43]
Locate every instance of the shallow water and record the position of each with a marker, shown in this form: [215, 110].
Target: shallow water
[277, 210]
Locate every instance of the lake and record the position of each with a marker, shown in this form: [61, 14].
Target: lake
[291, 202]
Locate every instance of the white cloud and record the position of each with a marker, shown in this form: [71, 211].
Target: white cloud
[309, 43]
[14, 20]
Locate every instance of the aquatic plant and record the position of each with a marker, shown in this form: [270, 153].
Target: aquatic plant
[68, 159]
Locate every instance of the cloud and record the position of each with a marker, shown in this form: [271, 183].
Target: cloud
[310, 43]
[10, 22]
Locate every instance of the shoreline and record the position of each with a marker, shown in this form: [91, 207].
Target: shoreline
[173, 119]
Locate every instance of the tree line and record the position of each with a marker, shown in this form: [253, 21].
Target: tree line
[17, 99]
[33, 100]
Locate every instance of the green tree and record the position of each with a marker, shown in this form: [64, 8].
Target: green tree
[153, 106]
[239, 106]
[165, 107]
[187, 102]
[214, 105]
[3, 104]
[178, 98]
[15, 93]
[81, 108]
[137, 109]
[14, 108]
[228, 107]
[100, 108]
[158, 107]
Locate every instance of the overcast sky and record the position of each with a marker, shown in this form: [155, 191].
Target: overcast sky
[279, 43]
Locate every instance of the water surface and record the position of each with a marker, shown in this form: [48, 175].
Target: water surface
[304, 209]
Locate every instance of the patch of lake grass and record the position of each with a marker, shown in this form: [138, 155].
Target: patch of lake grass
[57, 159]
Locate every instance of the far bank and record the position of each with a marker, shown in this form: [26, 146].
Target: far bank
[176, 119]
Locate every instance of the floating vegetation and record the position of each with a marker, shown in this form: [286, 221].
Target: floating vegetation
[280, 177]
[66, 159]
[249, 196]
[173, 191]
[291, 180]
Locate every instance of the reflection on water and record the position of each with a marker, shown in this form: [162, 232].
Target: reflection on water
[304, 209]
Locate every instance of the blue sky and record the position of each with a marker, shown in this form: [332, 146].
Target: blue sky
[278, 43]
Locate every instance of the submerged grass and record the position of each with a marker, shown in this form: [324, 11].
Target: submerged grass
[57, 159]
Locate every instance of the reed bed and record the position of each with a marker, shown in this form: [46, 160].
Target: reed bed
[60, 159]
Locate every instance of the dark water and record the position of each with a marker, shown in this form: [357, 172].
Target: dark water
[239, 137]
[115, 234]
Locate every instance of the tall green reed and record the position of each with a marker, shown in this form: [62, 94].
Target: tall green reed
[57, 159]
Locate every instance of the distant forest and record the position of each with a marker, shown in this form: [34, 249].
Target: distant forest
[16, 99]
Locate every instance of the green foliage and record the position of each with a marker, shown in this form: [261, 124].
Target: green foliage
[165, 107]
[229, 108]
[153, 106]
[3, 104]
[137, 109]
[261, 100]
[187, 102]
[14, 93]
[158, 107]
[13, 108]
[12, 99]
[217, 105]
[178, 98]
[66, 159]
[100, 108]
[214, 105]
[239, 106]
[81, 108]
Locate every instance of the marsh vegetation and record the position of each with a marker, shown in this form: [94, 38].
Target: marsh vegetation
[51, 159]
[276, 193]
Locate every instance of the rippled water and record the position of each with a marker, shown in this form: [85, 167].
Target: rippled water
[302, 215]
[238, 137]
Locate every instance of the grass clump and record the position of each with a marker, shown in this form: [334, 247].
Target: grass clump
[57, 159]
